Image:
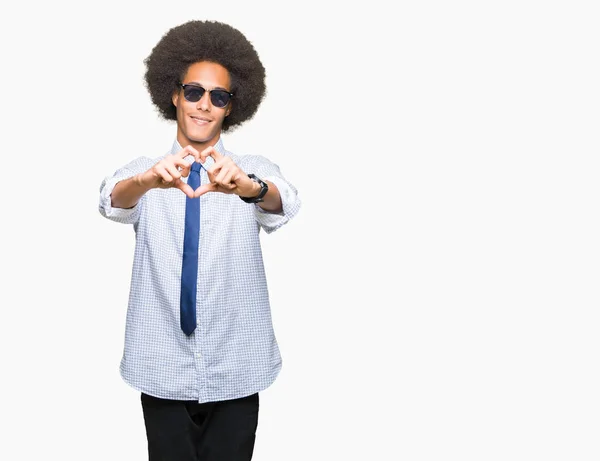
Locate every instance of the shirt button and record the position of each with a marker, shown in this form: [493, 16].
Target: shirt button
[199, 355]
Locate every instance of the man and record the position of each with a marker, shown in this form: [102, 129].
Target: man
[199, 341]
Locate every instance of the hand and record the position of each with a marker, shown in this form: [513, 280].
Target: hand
[167, 173]
[225, 176]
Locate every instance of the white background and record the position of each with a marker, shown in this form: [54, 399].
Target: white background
[435, 299]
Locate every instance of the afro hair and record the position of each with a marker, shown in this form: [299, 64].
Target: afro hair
[212, 41]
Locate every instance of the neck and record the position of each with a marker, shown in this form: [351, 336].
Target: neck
[198, 145]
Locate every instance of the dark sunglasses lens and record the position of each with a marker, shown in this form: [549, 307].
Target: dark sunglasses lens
[193, 93]
[219, 98]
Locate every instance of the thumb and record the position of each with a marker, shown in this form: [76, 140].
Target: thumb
[185, 188]
[203, 189]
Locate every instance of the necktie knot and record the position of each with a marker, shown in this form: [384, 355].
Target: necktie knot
[196, 167]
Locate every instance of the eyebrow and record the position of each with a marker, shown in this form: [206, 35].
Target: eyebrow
[215, 88]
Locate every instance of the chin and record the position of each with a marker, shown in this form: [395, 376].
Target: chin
[199, 137]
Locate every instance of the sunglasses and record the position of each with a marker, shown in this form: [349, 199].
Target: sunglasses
[193, 93]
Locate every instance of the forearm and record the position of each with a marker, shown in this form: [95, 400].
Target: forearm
[127, 193]
[272, 199]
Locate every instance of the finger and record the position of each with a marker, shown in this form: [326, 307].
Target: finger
[221, 175]
[223, 161]
[223, 164]
[181, 162]
[204, 189]
[188, 150]
[210, 151]
[185, 188]
[213, 172]
[182, 166]
[227, 180]
[173, 171]
[163, 174]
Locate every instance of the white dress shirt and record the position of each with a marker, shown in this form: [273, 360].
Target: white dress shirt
[233, 352]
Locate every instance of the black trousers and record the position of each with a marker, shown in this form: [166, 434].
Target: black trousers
[190, 431]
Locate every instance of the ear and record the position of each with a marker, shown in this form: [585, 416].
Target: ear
[228, 111]
[175, 97]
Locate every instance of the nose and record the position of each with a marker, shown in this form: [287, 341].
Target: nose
[204, 102]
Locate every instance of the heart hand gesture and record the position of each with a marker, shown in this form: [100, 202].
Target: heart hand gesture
[224, 175]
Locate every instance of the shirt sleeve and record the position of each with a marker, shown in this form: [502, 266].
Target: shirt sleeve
[122, 215]
[268, 171]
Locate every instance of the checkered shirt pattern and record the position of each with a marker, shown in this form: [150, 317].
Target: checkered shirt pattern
[233, 352]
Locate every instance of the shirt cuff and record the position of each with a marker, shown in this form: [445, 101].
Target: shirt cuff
[122, 215]
[290, 206]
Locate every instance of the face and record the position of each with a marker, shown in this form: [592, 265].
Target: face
[199, 123]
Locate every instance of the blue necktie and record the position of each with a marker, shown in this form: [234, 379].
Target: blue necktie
[189, 271]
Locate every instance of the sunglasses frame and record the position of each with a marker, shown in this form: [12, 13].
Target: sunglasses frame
[195, 85]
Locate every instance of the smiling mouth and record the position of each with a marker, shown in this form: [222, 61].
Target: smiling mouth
[200, 121]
